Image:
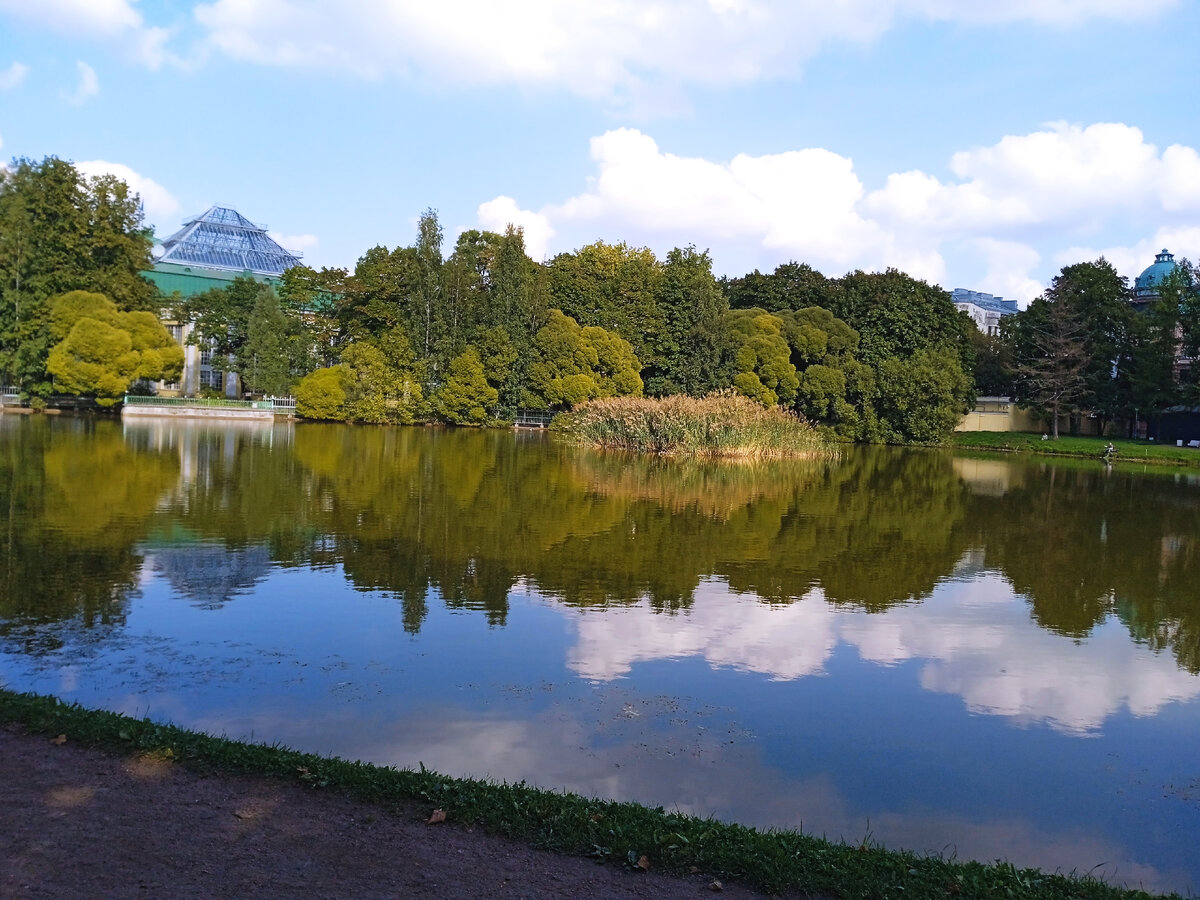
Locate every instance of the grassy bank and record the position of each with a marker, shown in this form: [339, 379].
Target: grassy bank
[1084, 447]
[719, 425]
[621, 833]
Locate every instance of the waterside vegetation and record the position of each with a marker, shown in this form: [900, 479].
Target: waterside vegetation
[1124, 451]
[723, 424]
[619, 833]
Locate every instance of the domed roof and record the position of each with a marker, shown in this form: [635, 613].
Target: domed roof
[1164, 264]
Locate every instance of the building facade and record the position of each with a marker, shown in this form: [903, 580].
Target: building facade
[985, 310]
[210, 251]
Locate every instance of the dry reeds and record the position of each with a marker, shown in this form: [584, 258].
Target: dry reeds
[723, 424]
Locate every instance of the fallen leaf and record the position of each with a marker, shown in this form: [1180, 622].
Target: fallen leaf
[60, 740]
[644, 863]
[716, 886]
[439, 815]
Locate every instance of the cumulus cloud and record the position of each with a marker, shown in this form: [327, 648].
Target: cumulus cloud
[497, 214]
[104, 20]
[594, 49]
[13, 76]
[88, 86]
[159, 204]
[1131, 259]
[999, 203]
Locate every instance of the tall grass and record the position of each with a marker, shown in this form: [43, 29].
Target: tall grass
[723, 424]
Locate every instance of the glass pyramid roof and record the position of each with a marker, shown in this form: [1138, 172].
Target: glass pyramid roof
[222, 238]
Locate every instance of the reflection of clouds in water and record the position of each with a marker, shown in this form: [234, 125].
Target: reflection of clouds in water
[558, 749]
[784, 642]
[981, 644]
[977, 638]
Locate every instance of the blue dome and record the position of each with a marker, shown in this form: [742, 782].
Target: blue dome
[1146, 283]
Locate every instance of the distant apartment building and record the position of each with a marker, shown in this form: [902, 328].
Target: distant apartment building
[985, 310]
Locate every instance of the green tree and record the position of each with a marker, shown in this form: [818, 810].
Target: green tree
[322, 394]
[103, 351]
[429, 281]
[687, 357]
[572, 365]
[466, 396]
[921, 396]
[762, 367]
[60, 232]
[276, 352]
[382, 382]
[1049, 358]
[1098, 300]
[612, 286]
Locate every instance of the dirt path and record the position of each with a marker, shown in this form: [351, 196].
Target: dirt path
[76, 822]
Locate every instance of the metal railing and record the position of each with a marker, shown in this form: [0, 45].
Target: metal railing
[197, 402]
[533, 418]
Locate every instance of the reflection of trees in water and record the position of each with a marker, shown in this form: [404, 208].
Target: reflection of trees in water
[462, 516]
[1084, 543]
[77, 500]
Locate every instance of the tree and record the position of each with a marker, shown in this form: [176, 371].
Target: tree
[1050, 357]
[429, 280]
[791, 286]
[612, 286]
[381, 380]
[60, 232]
[466, 396]
[322, 394]
[103, 351]
[921, 397]
[572, 365]
[761, 362]
[276, 352]
[687, 357]
[1098, 299]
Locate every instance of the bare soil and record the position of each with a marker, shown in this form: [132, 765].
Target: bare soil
[76, 822]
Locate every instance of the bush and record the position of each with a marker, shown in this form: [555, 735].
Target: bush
[322, 394]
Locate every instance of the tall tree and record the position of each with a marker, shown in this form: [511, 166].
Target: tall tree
[687, 358]
[60, 232]
[1098, 299]
[429, 281]
[1050, 357]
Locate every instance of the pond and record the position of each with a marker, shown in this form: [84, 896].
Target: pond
[981, 657]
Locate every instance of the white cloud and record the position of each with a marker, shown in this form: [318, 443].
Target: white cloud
[607, 49]
[88, 87]
[1131, 260]
[497, 214]
[103, 20]
[296, 243]
[13, 76]
[160, 206]
[1011, 204]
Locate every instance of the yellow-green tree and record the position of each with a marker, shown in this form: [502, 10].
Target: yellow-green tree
[101, 351]
[573, 365]
[322, 394]
[762, 363]
[466, 396]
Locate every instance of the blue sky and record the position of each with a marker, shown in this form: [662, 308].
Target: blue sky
[975, 144]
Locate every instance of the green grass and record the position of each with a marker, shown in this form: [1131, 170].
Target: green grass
[620, 833]
[1093, 447]
[724, 424]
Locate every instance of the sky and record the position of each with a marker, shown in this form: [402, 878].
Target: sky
[974, 144]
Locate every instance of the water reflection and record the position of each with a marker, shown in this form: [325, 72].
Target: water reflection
[901, 636]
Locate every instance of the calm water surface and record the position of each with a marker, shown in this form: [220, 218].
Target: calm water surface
[981, 657]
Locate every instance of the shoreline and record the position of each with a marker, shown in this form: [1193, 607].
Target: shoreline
[627, 837]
